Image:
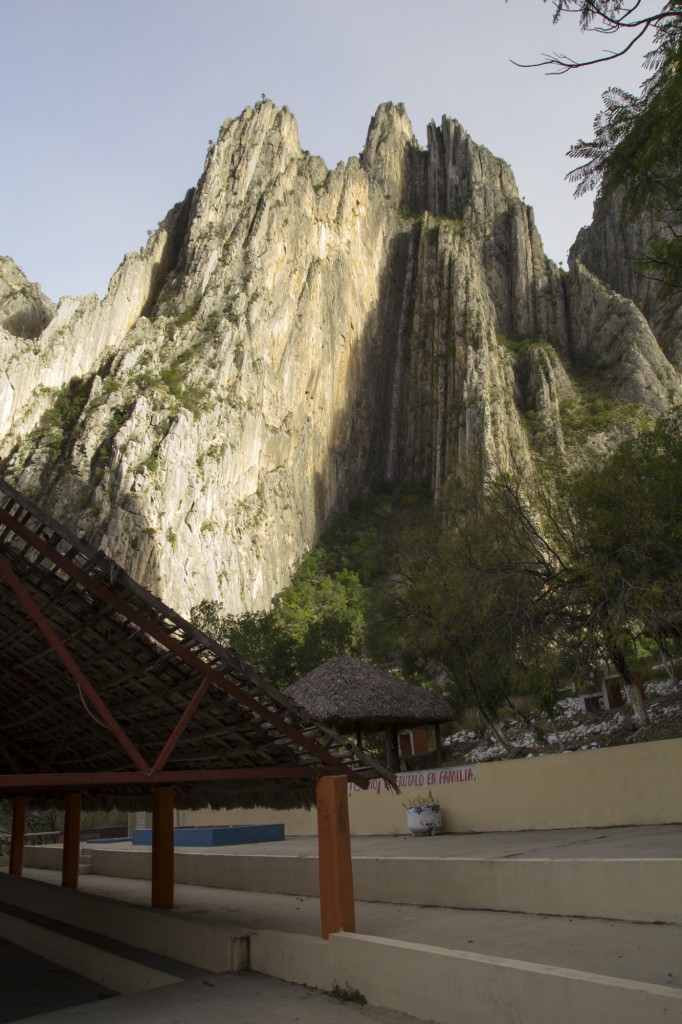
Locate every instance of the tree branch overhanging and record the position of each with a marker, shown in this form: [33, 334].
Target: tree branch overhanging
[614, 16]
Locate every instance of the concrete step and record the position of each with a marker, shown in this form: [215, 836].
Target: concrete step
[619, 888]
[432, 983]
[208, 946]
[434, 963]
[115, 965]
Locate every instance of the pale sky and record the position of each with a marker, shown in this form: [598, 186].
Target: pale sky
[108, 105]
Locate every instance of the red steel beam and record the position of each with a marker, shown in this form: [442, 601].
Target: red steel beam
[82, 719]
[11, 760]
[27, 755]
[16, 850]
[171, 644]
[163, 881]
[70, 664]
[183, 722]
[89, 780]
[56, 750]
[72, 835]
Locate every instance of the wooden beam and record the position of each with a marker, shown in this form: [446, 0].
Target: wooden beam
[16, 849]
[392, 749]
[162, 847]
[337, 907]
[72, 840]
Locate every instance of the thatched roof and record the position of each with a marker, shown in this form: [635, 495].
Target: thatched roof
[105, 689]
[350, 694]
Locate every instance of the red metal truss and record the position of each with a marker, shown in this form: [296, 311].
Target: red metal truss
[70, 664]
[57, 749]
[9, 757]
[183, 722]
[168, 641]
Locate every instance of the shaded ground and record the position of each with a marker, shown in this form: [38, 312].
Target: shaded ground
[30, 984]
[228, 999]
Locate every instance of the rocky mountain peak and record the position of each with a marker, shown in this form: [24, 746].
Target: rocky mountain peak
[292, 336]
[392, 152]
[24, 311]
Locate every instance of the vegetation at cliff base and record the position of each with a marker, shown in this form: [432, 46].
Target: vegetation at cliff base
[499, 595]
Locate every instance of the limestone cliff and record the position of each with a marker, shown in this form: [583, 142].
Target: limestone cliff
[24, 311]
[293, 335]
[614, 248]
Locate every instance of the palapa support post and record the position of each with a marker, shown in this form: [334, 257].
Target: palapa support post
[162, 847]
[16, 849]
[392, 749]
[72, 840]
[337, 907]
[439, 746]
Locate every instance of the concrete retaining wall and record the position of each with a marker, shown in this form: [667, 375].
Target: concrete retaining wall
[211, 947]
[627, 785]
[627, 889]
[442, 985]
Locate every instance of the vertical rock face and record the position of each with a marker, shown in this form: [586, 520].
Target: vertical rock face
[293, 335]
[613, 251]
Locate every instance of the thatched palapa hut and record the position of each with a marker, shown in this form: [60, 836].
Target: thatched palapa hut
[354, 697]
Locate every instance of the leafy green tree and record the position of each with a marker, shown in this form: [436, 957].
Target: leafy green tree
[636, 151]
[318, 617]
[458, 610]
[629, 538]
[606, 543]
[527, 585]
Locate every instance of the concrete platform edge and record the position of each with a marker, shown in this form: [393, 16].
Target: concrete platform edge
[208, 946]
[99, 965]
[434, 984]
[624, 889]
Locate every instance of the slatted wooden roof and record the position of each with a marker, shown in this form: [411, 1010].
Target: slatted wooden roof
[105, 689]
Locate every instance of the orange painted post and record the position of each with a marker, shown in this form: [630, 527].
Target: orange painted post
[337, 907]
[162, 847]
[72, 840]
[16, 849]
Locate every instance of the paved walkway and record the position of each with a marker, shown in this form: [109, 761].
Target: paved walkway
[29, 984]
[644, 952]
[222, 998]
[647, 841]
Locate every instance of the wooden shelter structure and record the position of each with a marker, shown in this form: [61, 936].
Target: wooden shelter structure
[353, 697]
[109, 696]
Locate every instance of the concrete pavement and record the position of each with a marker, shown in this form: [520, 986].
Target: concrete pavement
[237, 998]
[641, 952]
[642, 841]
[634, 952]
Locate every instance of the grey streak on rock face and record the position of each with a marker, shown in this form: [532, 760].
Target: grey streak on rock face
[292, 336]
